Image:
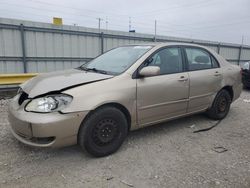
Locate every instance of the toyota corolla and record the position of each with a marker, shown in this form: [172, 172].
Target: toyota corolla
[126, 88]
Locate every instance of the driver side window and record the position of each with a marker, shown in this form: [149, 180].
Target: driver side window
[169, 60]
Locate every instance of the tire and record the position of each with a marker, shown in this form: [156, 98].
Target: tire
[220, 106]
[245, 85]
[103, 132]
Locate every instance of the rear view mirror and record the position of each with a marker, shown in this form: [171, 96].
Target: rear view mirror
[150, 71]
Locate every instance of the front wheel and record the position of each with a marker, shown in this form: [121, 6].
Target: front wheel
[103, 132]
[220, 106]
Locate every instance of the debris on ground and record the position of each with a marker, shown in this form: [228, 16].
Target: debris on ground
[19, 177]
[109, 178]
[192, 126]
[219, 149]
[126, 183]
[166, 162]
[63, 176]
[207, 129]
[246, 100]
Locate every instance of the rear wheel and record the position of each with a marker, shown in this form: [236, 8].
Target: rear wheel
[103, 132]
[220, 106]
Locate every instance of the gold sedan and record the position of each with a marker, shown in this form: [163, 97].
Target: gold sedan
[126, 88]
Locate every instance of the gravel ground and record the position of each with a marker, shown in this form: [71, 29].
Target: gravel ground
[165, 155]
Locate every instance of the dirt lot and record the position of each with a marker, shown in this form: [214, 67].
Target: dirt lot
[165, 155]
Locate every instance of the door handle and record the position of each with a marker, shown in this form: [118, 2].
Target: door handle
[217, 73]
[183, 79]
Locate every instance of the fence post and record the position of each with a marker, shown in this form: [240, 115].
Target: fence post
[102, 42]
[218, 48]
[239, 57]
[23, 48]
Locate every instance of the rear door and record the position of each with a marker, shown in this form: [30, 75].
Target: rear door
[205, 78]
[166, 95]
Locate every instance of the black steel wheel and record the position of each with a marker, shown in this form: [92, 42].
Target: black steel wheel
[220, 106]
[103, 132]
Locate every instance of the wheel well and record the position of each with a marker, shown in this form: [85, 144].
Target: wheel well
[230, 91]
[120, 107]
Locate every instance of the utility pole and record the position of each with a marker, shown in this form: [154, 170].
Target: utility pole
[129, 24]
[106, 22]
[242, 40]
[99, 23]
[155, 30]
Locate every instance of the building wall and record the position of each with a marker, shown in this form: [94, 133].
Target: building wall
[43, 47]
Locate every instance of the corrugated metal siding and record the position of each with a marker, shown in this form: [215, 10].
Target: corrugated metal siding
[46, 66]
[215, 48]
[245, 54]
[11, 67]
[10, 42]
[62, 43]
[229, 53]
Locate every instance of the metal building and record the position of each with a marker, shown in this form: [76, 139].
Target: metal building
[41, 47]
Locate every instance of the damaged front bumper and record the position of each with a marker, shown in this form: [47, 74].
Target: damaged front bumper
[44, 129]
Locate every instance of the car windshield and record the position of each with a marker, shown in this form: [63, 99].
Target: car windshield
[116, 60]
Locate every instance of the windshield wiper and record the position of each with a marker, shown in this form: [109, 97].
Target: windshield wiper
[93, 69]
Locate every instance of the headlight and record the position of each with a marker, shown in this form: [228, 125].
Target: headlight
[49, 103]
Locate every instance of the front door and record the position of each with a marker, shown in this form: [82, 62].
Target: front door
[166, 95]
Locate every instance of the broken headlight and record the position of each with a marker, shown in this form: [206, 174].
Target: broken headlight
[49, 103]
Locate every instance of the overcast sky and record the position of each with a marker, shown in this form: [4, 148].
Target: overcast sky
[216, 20]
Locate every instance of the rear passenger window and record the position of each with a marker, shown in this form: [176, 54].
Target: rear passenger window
[199, 59]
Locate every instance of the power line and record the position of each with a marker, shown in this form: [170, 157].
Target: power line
[163, 29]
[144, 23]
[79, 9]
[187, 5]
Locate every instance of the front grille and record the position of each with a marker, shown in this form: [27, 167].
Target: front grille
[22, 98]
[37, 140]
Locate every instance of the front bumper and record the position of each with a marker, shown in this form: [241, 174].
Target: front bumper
[44, 130]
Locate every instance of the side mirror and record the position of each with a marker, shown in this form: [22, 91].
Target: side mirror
[149, 71]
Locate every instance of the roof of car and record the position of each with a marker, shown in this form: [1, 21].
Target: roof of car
[167, 44]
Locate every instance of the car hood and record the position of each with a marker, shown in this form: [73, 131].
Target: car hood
[60, 80]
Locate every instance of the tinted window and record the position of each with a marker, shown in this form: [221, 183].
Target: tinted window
[169, 60]
[198, 59]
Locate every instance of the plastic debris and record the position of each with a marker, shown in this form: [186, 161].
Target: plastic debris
[219, 149]
[192, 126]
[63, 176]
[246, 100]
[126, 183]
